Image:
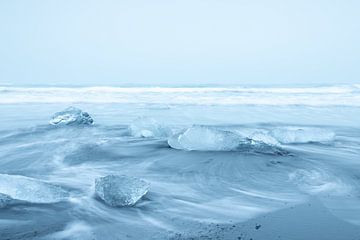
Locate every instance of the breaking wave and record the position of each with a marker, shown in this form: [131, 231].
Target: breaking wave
[311, 96]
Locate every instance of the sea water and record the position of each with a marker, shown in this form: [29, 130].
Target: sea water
[198, 148]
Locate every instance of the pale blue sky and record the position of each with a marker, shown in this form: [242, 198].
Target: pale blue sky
[183, 42]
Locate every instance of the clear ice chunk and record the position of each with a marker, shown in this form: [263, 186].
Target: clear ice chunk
[288, 135]
[71, 115]
[147, 127]
[120, 190]
[30, 190]
[202, 138]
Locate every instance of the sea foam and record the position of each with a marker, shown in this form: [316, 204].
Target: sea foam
[310, 96]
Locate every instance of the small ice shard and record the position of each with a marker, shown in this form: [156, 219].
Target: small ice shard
[147, 127]
[289, 135]
[5, 200]
[202, 138]
[71, 115]
[30, 189]
[120, 190]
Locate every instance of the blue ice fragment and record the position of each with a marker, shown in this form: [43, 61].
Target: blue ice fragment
[71, 115]
[202, 138]
[120, 190]
[30, 190]
[206, 138]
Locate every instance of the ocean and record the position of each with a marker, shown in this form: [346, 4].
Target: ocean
[222, 162]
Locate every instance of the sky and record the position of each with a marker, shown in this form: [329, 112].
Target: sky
[185, 42]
